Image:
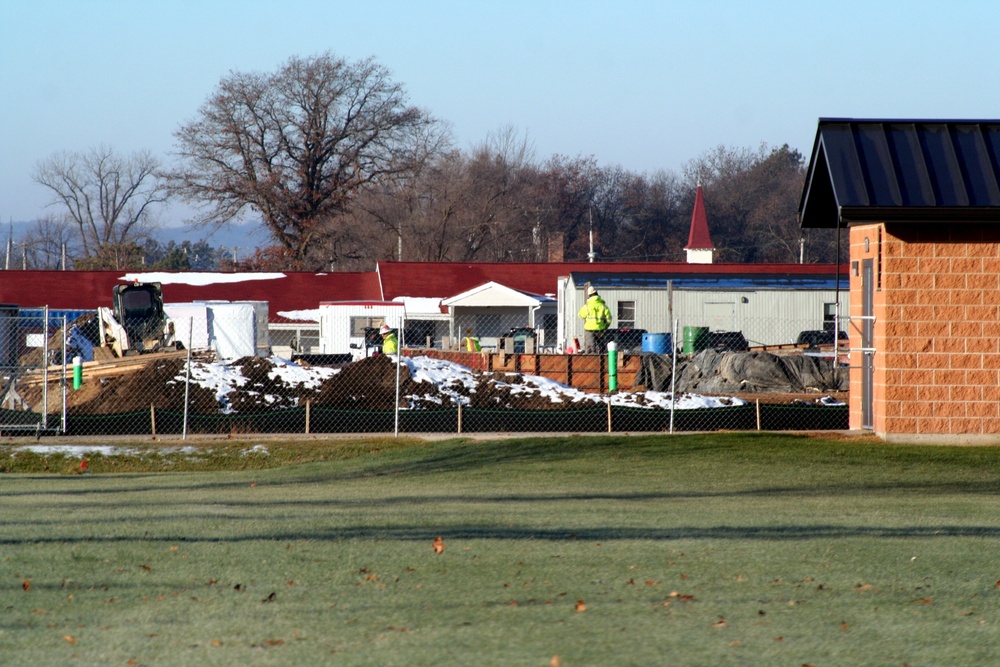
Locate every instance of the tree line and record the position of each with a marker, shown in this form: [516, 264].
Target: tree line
[342, 171]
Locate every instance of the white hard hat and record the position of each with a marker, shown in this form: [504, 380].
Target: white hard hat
[591, 290]
[384, 329]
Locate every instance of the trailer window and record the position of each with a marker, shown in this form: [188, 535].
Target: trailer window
[359, 324]
[626, 314]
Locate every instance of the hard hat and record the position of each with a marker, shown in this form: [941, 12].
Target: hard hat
[384, 329]
[591, 290]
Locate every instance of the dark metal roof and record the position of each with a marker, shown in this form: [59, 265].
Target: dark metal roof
[902, 170]
[713, 281]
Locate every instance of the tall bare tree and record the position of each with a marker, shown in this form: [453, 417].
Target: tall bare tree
[110, 198]
[298, 145]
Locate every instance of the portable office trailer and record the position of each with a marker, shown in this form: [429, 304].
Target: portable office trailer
[343, 325]
[770, 305]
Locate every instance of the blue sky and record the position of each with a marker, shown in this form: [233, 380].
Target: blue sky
[644, 84]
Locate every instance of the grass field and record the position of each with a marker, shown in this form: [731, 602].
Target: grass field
[722, 549]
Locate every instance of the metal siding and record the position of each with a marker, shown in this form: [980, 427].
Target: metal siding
[977, 172]
[910, 166]
[771, 316]
[877, 166]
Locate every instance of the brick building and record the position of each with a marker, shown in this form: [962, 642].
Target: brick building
[920, 201]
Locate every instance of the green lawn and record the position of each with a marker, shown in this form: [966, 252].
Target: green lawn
[723, 549]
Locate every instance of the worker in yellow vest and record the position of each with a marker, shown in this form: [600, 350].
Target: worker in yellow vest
[390, 344]
[596, 319]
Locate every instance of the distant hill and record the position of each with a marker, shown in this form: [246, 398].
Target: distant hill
[246, 236]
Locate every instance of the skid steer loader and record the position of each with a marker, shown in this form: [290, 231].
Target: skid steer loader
[136, 323]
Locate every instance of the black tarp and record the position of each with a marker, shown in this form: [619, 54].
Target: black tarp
[714, 372]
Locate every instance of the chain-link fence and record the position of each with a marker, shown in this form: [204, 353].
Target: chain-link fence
[221, 368]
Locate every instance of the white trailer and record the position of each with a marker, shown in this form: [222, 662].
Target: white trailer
[343, 324]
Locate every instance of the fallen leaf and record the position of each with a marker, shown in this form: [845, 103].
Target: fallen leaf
[843, 626]
[69, 638]
[274, 642]
[216, 642]
[580, 606]
[26, 584]
[271, 597]
[924, 600]
[555, 661]
[721, 623]
[438, 544]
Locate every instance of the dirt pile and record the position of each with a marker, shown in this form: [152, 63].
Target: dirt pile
[254, 385]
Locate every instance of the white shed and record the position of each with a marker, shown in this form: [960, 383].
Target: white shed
[490, 310]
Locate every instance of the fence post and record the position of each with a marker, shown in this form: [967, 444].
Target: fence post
[459, 417]
[152, 419]
[308, 406]
[187, 378]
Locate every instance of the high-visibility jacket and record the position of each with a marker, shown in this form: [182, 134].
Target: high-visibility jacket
[390, 344]
[595, 314]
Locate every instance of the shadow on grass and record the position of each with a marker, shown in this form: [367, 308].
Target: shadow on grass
[593, 534]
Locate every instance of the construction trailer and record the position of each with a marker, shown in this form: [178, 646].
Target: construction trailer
[348, 330]
[768, 304]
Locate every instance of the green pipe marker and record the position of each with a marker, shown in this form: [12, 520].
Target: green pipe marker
[612, 366]
[77, 372]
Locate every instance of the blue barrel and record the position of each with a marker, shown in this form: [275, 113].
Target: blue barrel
[657, 343]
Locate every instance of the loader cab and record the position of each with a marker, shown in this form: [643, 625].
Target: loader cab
[139, 309]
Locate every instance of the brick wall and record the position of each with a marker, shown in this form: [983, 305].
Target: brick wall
[937, 330]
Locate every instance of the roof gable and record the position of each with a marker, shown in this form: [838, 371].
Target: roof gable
[495, 294]
[902, 170]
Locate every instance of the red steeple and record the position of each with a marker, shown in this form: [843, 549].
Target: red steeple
[698, 238]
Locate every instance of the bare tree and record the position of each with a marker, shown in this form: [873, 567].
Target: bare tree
[752, 199]
[50, 240]
[109, 198]
[297, 146]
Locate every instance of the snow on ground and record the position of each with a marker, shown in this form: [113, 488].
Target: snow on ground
[453, 380]
[448, 375]
[222, 377]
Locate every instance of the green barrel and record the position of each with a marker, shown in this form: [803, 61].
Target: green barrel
[695, 339]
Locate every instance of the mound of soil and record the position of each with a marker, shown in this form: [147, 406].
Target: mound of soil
[155, 384]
